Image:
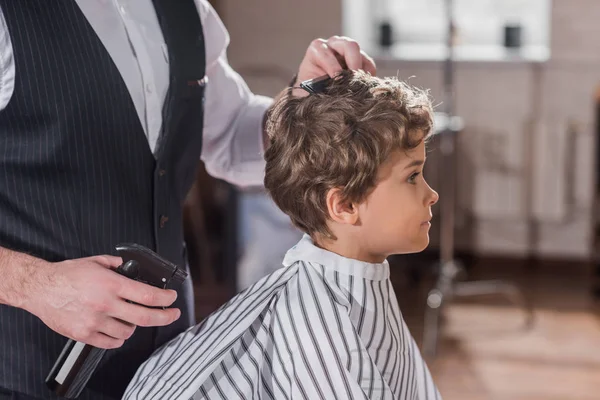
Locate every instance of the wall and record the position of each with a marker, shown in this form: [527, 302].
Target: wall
[526, 178]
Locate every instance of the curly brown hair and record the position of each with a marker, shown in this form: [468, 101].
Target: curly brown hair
[338, 139]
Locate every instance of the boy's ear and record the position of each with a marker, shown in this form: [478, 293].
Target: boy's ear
[339, 209]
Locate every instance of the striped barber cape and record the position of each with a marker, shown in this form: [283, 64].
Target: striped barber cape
[321, 327]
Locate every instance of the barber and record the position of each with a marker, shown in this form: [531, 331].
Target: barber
[105, 108]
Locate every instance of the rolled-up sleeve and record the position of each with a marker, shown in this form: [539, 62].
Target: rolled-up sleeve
[233, 121]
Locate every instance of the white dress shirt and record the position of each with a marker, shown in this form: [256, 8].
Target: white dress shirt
[322, 327]
[129, 29]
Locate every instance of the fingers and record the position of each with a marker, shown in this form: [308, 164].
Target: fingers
[351, 53]
[117, 329]
[144, 294]
[348, 49]
[103, 341]
[368, 64]
[323, 57]
[143, 316]
[330, 57]
[107, 261]
[337, 53]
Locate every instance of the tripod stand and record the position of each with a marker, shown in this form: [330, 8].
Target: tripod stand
[447, 287]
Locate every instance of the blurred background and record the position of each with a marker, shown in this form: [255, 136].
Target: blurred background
[523, 85]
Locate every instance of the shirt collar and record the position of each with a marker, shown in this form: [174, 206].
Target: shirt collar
[305, 250]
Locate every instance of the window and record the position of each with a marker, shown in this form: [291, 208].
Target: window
[419, 28]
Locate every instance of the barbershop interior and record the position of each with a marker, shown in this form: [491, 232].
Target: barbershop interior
[504, 303]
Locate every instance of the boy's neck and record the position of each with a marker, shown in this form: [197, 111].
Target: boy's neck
[349, 249]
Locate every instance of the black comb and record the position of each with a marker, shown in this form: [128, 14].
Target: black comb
[316, 85]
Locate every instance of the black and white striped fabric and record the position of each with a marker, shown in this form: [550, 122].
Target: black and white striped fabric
[321, 327]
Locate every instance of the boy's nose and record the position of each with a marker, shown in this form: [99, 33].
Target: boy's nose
[433, 197]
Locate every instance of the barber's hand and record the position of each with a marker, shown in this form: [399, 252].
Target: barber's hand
[85, 300]
[326, 57]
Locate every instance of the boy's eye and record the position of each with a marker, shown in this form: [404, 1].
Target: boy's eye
[413, 177]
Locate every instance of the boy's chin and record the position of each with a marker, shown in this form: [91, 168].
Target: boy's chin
[423, 245]
[416, 247]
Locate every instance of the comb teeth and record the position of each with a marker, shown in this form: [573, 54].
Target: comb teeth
[179, 275]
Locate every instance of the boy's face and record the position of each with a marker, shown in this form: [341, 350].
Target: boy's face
[395, 217]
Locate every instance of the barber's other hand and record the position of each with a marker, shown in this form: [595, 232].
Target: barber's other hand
[326, 57]
[85, 300]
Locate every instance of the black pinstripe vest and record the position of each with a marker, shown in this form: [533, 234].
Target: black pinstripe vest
[77, 175]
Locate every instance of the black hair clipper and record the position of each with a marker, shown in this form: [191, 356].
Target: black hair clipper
[78, 361]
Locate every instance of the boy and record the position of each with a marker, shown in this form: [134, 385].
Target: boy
[346, 166]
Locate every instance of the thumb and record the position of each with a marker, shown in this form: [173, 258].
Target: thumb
[108, 261]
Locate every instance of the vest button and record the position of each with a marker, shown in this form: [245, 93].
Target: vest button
[163, 221]
[161, 172]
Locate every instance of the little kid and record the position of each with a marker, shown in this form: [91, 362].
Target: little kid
[346, 165]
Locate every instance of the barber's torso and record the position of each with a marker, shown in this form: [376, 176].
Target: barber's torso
[130, 32]
[85, 164]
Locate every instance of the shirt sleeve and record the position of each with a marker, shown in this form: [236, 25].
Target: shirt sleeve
[233, 116]
[7, 64]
